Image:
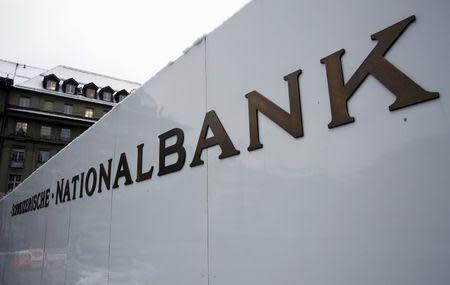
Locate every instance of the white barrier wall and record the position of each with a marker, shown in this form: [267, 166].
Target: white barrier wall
[362, 203]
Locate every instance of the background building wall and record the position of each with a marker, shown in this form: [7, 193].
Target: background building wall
[27, 104]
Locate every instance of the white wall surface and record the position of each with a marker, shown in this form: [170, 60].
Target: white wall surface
[364, 203]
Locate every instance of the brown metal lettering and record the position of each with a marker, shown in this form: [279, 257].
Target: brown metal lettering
[66, 196]
[122, 171]
[220, 138]
[290, 122]
[74, 186]
[177, 148]
[140, 176]
[91, 173]
[406, 91]
[59, 191]
[105, 176]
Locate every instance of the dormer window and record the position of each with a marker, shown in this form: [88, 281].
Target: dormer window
[120, 95]
[107, 96]
[90, 90]
[51, 85]
[90, 93]
[70, 86]
[51, 82]
[70, 89]
[106, 93]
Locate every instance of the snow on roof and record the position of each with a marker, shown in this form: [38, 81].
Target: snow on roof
[17, 71]
[82, 77]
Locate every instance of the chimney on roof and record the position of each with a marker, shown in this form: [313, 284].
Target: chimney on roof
[6, 82]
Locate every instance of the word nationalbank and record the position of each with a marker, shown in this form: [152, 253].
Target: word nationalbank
[102, 177]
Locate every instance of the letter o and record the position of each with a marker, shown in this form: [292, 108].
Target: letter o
[90, 190]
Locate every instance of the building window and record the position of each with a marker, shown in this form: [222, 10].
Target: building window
[89, 113]
[68, 109]
[70, 88]
[51, 85]
[43, 156]
[90, 93]
[121, 97]
[17, 158]
[13, 181]
[107, 96]
[48, 105]
[21, 128]
[65, 134]
[24, 102]
[46, 131]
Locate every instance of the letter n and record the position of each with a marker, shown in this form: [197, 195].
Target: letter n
[290, 122]
[59, 192]
[406, 91]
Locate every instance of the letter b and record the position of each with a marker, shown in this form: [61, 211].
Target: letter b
[166, 151]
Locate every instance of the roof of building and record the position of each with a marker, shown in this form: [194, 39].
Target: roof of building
[81, 76]
[68, 96]
[31, 78]
[17, 71]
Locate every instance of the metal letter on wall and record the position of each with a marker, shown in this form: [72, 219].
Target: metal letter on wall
[123, 170]
[176, 148]
[140, 175]
[406, 91]
[290, 122]
[220, 137]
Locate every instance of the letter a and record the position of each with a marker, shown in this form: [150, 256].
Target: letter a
[220, 138]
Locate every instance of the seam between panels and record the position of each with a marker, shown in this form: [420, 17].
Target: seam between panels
[68, 244]
[8, 246]
[207, 174]
[44, 246]
[111, 201]
[2, 228]
[8, 243]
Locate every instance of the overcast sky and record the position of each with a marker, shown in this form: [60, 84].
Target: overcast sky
[131, 39]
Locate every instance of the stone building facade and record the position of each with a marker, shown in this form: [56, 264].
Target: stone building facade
[41, 111]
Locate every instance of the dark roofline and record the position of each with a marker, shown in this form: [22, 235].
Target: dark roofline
[106, 88]
[120, 92]
[53, 94]
[6, 82]
[67, 81]
[50, 77]
[90, 85]
[103, 89]
[71, 79]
